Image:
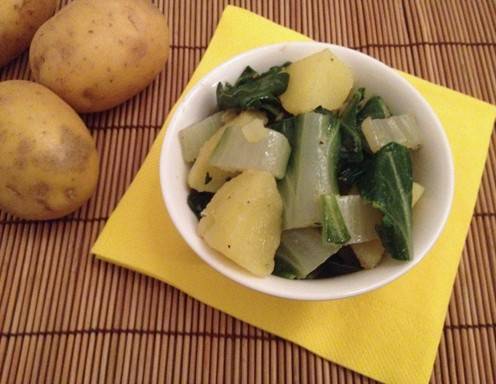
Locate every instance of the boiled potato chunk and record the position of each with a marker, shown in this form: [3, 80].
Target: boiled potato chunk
[417, 192]
[206, 178]
[317, 80]
[48, 159]
[243, 221]
[369, 254]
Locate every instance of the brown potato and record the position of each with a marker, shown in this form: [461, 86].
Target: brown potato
[96, 54]
[19, 20]
[49, 162]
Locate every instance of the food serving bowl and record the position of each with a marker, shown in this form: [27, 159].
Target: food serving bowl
[433, 168]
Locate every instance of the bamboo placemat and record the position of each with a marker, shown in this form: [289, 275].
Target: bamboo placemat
[67, 317]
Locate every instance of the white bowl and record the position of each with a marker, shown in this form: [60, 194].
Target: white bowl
[433, 168]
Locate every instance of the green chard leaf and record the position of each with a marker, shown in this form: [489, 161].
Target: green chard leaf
[333, 226]
[387, 184]
[198, 201]
[375, 108]
[256, 91]
[287, 127]
[352, 146]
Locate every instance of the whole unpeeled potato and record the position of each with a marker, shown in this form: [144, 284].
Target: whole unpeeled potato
[96, 54]
[19, 20]
[48, 162]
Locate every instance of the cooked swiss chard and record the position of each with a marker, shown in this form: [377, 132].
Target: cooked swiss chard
[401, 129]
[375, 108]
[301, 252]
[256, 91]
[341, 263]
[197, 201]
[334, 228]
[352, 147]
[312, 169]
[387, 184]
[193, 137]
[252, 147]
[302, 176]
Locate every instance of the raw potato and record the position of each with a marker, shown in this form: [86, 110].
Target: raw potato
[19, 20]
[243, 221]
[317, 80]
[48, 163]
[206, 178]
[96, 54]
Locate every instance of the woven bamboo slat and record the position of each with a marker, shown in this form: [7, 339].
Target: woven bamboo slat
[66, 317]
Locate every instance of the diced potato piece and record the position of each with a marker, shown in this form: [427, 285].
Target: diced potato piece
[317, 80]
[206, 178]
[244, 221]
[369, 254]
[417, 192]
[202, 176]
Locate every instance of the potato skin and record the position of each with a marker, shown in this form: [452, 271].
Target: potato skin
[19, 20]
[49, 162]
[96, 54]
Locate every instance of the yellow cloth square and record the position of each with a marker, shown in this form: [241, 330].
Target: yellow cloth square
[390, 334]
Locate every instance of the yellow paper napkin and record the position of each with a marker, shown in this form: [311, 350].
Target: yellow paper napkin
[390, 334]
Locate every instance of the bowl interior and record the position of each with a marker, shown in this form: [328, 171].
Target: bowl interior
[432, 168]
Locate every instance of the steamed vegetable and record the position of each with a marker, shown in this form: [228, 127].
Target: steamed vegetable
[243, 221]
[334, 228]
[193, 137]
[311, 169]
[202, 176]
[206, 178]
[375, 108]
[352, 148]
[369, 254]
[320, 79]
[301, 251]
[255, 91]
[345, 192]
[252, 147]
[341, 263]
[360, 218]
[387, 184]
[417, 192]
[197, 201]
[400, 129]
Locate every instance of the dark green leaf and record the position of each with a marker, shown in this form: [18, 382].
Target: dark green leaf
[341, 263]
[283, 269]
[387, 184]
[333, 226]
[350, 172]
[352, 141]
[197, 201]
[255, 91]
[375, 108]
[287, 127]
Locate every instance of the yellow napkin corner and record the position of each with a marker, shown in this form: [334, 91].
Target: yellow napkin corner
[390, 334]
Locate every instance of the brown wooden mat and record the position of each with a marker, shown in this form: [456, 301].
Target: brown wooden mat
[66, 317]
